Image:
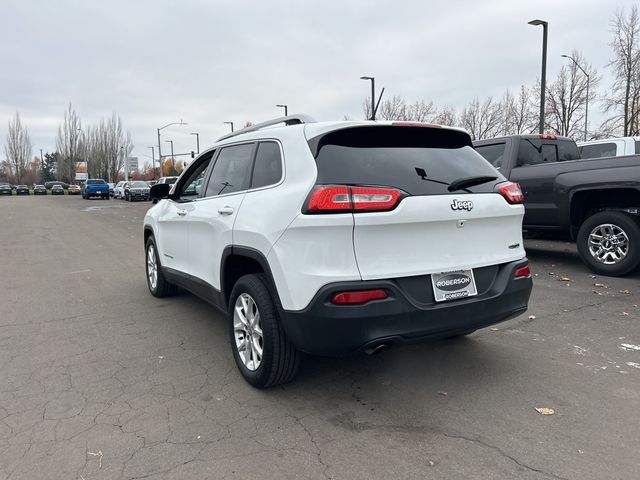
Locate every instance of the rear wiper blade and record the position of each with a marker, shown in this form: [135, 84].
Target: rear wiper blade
[466, 182]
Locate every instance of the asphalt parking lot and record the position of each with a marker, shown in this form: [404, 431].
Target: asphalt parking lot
[99, 380]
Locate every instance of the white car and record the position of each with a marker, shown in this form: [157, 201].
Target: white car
[341, 237]
[118, 190]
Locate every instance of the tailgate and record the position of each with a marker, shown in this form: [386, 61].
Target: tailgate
[421, 236]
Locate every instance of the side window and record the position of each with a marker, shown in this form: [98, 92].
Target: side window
[192, 185]
[493, 153]
[599, 150]
[231, 171]
[268, 165]
[637, 148]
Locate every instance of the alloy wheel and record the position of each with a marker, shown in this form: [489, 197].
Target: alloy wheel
[608, 244]
[247, 331]
[152, 267]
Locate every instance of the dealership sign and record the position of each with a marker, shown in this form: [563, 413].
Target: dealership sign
[81, 171]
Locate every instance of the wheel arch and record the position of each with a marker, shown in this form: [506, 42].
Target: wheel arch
[586, 202]
[238, 261]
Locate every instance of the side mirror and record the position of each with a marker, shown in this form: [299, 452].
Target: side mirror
[159, 191]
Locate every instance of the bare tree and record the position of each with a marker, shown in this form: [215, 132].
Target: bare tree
[106, 147]
[69, 144]
[624, 98]
[18, 148]
[482, 120]
[567, 97]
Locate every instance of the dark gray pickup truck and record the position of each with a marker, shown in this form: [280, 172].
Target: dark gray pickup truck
[595, 201]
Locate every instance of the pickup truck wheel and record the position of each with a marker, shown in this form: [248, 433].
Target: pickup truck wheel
[261, 350]
[609, 243]
[157, 283]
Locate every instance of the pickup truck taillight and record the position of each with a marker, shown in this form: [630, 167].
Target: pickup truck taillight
[343, 199]
[512, 192]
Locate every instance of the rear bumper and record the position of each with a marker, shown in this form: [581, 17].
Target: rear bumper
[409, 314]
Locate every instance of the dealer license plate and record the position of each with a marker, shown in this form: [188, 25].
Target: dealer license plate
[453, 285]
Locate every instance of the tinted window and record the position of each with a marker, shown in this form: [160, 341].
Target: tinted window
[534, 151]
[493, 153]
[420, 161]
[637, 147]
[231, 171]
[268, 165]
[598, 150]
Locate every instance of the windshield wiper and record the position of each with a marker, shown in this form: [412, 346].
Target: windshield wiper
[466, 182]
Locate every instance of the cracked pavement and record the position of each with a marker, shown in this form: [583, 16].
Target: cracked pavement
[99, 380]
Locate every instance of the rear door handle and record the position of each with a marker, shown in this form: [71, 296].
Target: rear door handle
[226, 210]
[182, 213]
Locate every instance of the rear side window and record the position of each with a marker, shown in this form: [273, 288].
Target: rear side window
[267, 169]
[494, 153]
[418, 160]
[231, 171]
[637, 147]
[598, 150]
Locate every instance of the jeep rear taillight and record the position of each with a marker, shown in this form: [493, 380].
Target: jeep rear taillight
[512, 192]
[342, 199]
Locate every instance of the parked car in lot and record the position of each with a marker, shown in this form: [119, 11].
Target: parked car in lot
[22, 190]
[112, 186]
[610, 147]
[57, 190]
[39, 190]
[95, 187]
[379, 233]
[137, 190]
[169, 180]
[596, 202]
[5, 189]
[74, 190]
[118, 190]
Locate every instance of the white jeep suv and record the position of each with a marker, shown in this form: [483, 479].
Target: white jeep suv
[341, 237]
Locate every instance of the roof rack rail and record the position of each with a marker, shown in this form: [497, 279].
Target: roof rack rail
[295, 119]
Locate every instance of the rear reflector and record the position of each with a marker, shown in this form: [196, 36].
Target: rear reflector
[511, 192]
[358, 298]
[523, 272]
[341, 198]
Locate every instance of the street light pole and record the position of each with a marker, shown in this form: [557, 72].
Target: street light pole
[159, 145]
[125, 163]
[543, 80]
[153, 162]
[586, 108]
[230, 123]
[286, 109]
[197, 142]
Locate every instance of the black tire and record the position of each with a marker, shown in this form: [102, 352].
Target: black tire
[162, 287]
[84, 197]
[629, 224]
[280, 358]
[106, 198]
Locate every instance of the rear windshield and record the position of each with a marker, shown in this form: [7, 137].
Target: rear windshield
[534, 151]
[96, 182]
[170, 180]
[420, 161]
[493, 153]
[598, 150]
[139, 184]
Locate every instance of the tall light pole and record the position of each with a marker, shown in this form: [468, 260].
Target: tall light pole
[286, 109]
[41, 166]
[543, 80]
[125, 163]
[230, 123]
[159, 146]
[197, 141]
[586, 108]
[373, 95]
[153, 162]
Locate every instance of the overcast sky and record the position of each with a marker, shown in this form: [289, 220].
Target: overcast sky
[208, 61]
